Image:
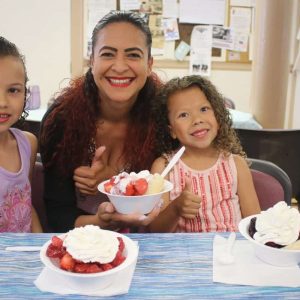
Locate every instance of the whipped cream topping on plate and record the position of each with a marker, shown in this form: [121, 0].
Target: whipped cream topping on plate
[91, 244]
[279, 224]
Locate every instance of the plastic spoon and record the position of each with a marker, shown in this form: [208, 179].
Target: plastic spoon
[172, 162]
[227, 257]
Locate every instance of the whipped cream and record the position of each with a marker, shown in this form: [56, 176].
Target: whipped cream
[123, 179]
[279, 224]
[91, 244]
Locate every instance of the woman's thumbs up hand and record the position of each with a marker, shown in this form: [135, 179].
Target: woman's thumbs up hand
[188, 204]
[87, 178]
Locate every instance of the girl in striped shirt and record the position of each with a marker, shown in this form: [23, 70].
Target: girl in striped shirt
[213, 187]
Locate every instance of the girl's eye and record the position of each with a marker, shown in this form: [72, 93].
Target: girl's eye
[205, 108]
[14, 90]
[183, 115]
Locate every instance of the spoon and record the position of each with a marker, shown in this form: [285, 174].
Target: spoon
[227, 257]
[172, 162]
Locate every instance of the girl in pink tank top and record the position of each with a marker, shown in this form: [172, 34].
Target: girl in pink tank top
[213, 187]
[17, 148]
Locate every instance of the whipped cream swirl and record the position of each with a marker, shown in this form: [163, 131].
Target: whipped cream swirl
[91, 244]
[279, 224]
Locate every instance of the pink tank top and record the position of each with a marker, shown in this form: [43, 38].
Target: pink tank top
[15, 191]
[217, 186]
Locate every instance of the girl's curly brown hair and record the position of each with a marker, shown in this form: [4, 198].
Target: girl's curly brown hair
[226, 139]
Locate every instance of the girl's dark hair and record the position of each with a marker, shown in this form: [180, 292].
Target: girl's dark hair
[78, 110]
[226, 139]
[119, 16]
[10, 49]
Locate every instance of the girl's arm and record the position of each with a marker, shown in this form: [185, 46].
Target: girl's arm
[246, 191]
[35, 222]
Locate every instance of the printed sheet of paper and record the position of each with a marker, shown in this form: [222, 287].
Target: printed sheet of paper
[96, 10]
[158, 39]
[230, 39]
[170, 9]
[200, 53]
[240, 19]
[202, 11]
[130, 4]
[170, 27]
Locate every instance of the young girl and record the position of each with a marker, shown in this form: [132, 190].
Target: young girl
[17, 149]
[213, 187]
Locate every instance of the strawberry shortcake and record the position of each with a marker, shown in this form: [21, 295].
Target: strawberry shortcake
[87, 249]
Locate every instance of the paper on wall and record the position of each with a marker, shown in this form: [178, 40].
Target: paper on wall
[96, 10]
[170, 9]
[202, 11]
[130, 4]
[170, 27]
[200, 53]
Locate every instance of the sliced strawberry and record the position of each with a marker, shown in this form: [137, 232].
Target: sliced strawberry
[93, 268]
[56, 241]
[55, 252]
[118, 259]
[121, 244]
[67, 262]
[140, 186]
[129, 190]
[108, 186]
[80, 267]
[106, 267]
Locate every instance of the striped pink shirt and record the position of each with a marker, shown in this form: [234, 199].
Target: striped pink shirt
[217, 186]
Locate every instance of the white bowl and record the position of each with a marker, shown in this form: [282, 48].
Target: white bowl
[135, 204]
[92, 281]
[273, 256]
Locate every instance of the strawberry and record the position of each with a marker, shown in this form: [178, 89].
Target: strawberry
[56, 241]
[129, 190]
[118, 259]
[67, 262]
[140, 186]
[108, 186]
[80, 267]
[93, 268]
[121, 244]
[106, 267]
[55, 252]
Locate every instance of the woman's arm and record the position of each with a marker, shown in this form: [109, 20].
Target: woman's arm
[246, 191]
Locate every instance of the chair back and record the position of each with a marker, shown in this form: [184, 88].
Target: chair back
[280, 146]
[37, 189]
[271, 183]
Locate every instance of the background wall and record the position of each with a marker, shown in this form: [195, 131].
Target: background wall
[41, 30]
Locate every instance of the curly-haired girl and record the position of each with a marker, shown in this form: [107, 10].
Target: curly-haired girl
[213, 187]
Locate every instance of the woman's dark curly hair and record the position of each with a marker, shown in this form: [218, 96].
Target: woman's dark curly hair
[226, 139]
[78, 111]
[10, 49]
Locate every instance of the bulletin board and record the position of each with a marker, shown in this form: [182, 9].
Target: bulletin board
[226, 59]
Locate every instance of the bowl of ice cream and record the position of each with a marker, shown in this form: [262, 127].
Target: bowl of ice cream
[274, 234]
[135, 192]
[89, 257]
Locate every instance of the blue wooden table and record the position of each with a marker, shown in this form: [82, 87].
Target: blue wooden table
[170, 266]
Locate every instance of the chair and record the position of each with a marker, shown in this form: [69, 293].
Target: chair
[271, 183]
[280, 146]
[37, 194]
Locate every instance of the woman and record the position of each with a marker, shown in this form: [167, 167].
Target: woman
[100, 125]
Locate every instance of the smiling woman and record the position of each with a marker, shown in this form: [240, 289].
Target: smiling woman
[100, 125]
